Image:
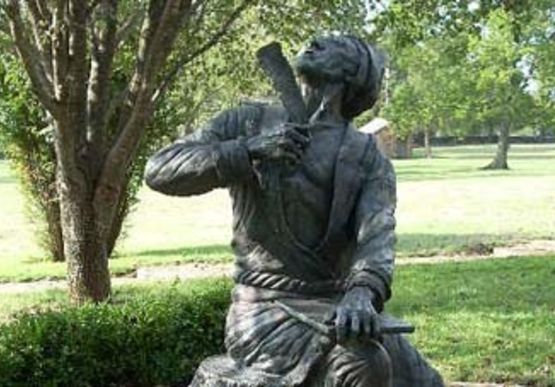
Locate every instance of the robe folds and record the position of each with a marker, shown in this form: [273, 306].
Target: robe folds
[302, 235]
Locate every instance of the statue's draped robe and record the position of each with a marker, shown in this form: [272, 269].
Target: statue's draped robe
[302, 235]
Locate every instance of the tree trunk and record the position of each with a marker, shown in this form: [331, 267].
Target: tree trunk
[54, 240]
[500, 159]
[427, 145]
[115, 231]
[84, 245]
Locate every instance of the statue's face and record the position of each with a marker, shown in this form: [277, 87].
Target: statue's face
[323, 59]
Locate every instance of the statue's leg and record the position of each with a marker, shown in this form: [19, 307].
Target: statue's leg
[410, 369]
[354, 365]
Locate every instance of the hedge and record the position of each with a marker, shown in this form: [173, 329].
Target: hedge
[153, 338]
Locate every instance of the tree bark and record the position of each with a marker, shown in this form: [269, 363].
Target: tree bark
[117, 224]
[500, 159]
[85, 247]
[55, 240]
[85, 251]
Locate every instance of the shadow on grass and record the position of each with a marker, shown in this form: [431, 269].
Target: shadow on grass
[468, 174]
[517, 156]
[434, 244]
[486, 148]
[185, 251]
[407, 245]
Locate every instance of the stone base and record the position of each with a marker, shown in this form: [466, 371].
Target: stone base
[221, 371]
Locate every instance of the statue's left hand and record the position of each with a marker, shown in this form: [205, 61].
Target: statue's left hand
[355, 315]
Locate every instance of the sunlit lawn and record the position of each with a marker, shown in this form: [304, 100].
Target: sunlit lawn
[445, 205]
[483, 321]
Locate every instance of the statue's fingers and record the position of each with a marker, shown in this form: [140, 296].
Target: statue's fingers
[341, 321]
[299, 138]
[290, 156]
[291, 147]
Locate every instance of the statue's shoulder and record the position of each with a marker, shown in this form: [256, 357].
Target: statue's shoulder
[375, 162]
[362, 137]
[366, 145]
[362, 140]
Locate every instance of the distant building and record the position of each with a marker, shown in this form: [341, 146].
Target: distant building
[385, 137]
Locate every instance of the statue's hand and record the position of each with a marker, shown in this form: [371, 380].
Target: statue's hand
[287, 143]
[355, 315]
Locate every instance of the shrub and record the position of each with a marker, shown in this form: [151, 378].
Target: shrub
[156, 338]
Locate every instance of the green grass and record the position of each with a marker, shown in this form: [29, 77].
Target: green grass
[483, 321]
[445, 205]
[476, 321]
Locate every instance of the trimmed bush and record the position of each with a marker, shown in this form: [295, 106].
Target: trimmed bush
[156, 338]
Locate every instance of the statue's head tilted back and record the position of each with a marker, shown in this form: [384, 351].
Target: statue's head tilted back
[344, 59]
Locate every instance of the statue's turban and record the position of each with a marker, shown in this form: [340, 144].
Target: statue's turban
[364, 83]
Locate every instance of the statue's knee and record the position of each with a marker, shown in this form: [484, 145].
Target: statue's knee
[359, 364]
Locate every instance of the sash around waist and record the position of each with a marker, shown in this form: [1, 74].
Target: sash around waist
[281, 282]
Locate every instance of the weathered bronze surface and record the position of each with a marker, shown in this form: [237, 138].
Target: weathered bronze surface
[313, 230]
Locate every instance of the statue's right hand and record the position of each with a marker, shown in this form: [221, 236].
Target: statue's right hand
[286, 143]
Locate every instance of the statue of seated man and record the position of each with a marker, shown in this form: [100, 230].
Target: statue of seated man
[313, 227]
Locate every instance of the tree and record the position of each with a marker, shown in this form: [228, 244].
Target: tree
[493, 60]
[481, 77]
[69, 51]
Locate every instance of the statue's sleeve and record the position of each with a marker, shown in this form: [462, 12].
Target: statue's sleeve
[212, 157]
[374, 255]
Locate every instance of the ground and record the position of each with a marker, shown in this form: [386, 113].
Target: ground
[483, 320]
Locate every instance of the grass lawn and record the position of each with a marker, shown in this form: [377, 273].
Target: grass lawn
[446, 204]
[476, 321]
[483, 321]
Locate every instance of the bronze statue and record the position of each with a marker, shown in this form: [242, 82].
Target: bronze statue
[313, 230]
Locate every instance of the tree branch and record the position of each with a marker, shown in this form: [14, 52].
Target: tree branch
[158, 33]
[128, 26]
[29, 54]
[92, 6]
[42, 37]
[43, 9]
[78, 67]
[201, 50]
[102, 56]
[60, 51]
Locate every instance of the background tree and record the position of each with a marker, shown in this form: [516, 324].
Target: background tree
[425, 92]
[483, 74]
[500, 83]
